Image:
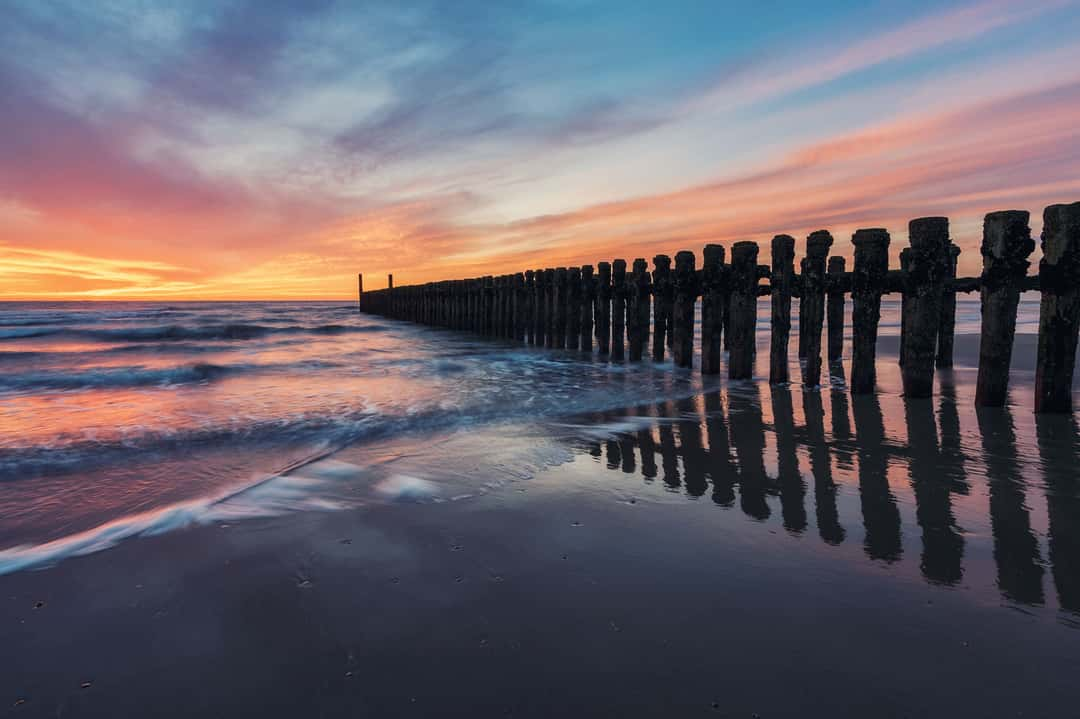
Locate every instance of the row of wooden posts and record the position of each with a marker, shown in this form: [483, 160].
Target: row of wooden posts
[565, 308]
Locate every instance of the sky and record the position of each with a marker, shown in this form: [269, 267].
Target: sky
[261, 149]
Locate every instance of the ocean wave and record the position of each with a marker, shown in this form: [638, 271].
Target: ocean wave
[117, 377]
[180, 333]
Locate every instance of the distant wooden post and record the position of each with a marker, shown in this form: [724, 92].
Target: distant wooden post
[925, 288]
[620, 292]
[743, 310]
[947, 326]
[551, 301]
[713, 308]
[489, 306]
[389, 282]
[637, 313]
[360, 290]
[562, 303]
[868, 276]
[573, 307]
[1006, 245]
[836, 309]
[1059, 311]
[686, 291]
[812, 304]
[603, 308]
[905, 301]
[498, 319]
[530, 307]
[539, 307]
[521, 319]
[663, 297]
[588, 299]
[782, 279]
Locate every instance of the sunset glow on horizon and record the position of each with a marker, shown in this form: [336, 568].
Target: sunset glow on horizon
[252, 150]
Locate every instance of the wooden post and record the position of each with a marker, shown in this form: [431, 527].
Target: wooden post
[868, 276]
[686, 291]
[663, 297]
[836, 309]
[947, 326]
[521, 312]
[530, 307]
[925, 287]
[812, 304]
[743, 310]
[551, 301]
[905, 301]
[713, 308]
[588, 299]
[603, 308]
[489, 306]
[389, 282]
[573, 307]
[781, 281]
[637, 311]
[540, 307]
[562, 303]
[360, 290]
[1006, 245]
[619, 293]
[1059, 311]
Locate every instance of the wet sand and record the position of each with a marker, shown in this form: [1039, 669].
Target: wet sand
[748, 551]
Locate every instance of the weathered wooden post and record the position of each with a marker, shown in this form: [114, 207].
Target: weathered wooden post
[562, 304]
[487, 318]
[663, 297]
[947, 325]
[905, 301]
[573, 307]
[868, 275]
[713, 308]
[619, 294]
[539, 306]
[360, 290]
[530, 307]
[497, 319]
[743, 310]
[836, 308]
[637, 312]
[1059, 311]
[550, 302]
[389, 282]
[1006, 245]
[925, 287]
[686, 292]
[521, 316]
[782, 279]
[812, 304]
[603, 308]
[588, 299]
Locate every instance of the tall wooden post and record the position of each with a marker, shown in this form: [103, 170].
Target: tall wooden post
[588, 299]
[360, 290]
[540, 308]
[905, 301]
[619, 294]
[713, 308]
[781, 281]
[686, 291]
[743, 310]
[550, 292]
[1006, 245]
[573, 307]
[836, 309]
[1059, 311]
[603, 308]
[521, 312]
[947, 326]
[530, 307]
[868, 276]
[389, 282]
[637, 312]
[663, 297]
[489, 306]
[812, 304]
[562, 303]
[925, 287]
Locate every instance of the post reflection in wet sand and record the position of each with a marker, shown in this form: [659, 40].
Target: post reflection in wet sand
[941, 457]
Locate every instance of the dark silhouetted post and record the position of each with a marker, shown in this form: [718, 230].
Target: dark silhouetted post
[521, 311]
[947, 327]
[489, 305]
[540, 308]
[812, 304]
[603, 308]
[868, 276]
[573, 307]
[663, 297]
[637, 312]
[905, 301]
[389, 282]
[1059, 312]
[686, 291]
[550, 301]
[562, 304]
[1005, 248]
[925, 287]
[835, 286]
[783, 277]
[713, 308]
[618, 309]
[588, 299]
[743, 310]
[530, 307]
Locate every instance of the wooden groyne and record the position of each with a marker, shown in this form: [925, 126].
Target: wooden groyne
[566, 308]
